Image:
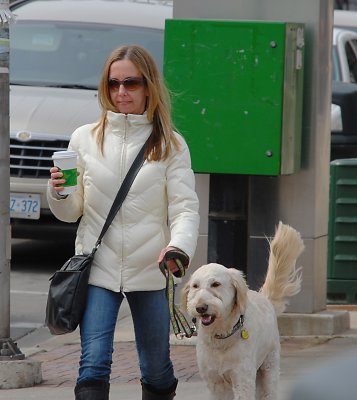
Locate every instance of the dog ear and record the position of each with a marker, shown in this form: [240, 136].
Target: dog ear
[241, 288]
[184, 294]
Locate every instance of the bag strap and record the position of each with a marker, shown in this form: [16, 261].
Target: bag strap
[123, 191]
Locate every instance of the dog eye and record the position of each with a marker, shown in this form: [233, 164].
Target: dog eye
[195, 286]
[215, 284]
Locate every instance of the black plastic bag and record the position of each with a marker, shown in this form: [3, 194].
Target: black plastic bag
[67, 295]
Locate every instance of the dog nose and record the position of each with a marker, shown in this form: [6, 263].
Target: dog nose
[202, 309]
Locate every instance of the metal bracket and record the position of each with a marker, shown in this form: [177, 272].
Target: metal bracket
[10, 351]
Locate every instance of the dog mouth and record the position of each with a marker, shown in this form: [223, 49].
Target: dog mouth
[207, 319]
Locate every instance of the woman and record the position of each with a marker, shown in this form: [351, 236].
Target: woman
[159, 213]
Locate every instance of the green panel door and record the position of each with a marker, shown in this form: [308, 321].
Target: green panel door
[227, 81]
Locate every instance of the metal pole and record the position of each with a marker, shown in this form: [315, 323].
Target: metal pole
[8, 349]
[4, 180]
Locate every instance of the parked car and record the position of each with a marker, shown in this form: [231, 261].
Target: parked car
[345, 4]
[57, 51]
[344, 94]
[344, 56]
[345, 19]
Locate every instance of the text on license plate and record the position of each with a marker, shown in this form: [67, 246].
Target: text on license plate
[25, 205]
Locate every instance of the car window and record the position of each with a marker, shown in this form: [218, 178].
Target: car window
[351, 54]
[345, 4]
[66, 54]
[336, 66]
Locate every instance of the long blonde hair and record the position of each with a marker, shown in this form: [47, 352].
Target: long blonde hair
[158, 105]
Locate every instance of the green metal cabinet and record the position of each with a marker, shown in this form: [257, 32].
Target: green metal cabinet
[237, 93]
[342, 235]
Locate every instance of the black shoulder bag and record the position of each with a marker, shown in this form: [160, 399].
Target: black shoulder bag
[67, 294]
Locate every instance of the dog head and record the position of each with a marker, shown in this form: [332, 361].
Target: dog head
[214, 292]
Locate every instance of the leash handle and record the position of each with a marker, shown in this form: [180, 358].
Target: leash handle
[179, 323]
[180, 258]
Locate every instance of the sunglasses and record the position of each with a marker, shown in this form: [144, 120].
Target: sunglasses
[128, 83]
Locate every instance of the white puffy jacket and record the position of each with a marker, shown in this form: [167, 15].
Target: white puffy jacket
[161, 208]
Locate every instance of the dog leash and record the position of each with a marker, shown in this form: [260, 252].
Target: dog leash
[179, 323]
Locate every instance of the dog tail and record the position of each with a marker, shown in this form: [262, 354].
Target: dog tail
[283, 279]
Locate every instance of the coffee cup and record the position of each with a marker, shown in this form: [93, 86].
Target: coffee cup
[66, 162]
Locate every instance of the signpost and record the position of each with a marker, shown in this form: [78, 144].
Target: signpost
[15, 370]
[8, 349]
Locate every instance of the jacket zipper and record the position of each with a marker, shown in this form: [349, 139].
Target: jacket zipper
[122, 175]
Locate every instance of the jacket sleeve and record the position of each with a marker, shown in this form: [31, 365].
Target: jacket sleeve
[69, 209]
[183, 202]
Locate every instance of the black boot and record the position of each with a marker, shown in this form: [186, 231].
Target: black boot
[92, 390]
[150, 393]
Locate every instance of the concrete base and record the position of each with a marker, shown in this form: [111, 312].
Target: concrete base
[16, 374]
[327, 322]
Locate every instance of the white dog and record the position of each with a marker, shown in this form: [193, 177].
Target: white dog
[238, 344]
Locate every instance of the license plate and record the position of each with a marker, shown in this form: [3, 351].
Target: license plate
[25, 205]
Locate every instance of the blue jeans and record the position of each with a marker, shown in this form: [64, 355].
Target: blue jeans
[151, 318]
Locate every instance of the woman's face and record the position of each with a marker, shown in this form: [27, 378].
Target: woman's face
[127, 88]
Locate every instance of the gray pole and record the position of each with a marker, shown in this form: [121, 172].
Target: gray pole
[8, 349]
[4, 181]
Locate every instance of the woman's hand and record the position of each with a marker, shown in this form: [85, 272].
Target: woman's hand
[175, 259]
[171, 265]
[57, 180]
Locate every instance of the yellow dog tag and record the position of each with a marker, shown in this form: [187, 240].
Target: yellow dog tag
[244, 334]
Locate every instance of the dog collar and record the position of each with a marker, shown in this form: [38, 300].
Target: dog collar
[235, 328]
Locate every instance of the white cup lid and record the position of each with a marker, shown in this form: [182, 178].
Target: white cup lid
[64, 154]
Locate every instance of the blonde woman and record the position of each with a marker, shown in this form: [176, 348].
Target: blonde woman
[159, 213]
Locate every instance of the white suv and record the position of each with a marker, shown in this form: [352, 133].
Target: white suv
[57, 50]
[344, 91]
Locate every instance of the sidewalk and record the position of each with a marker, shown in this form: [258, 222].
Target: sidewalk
[60, 354]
